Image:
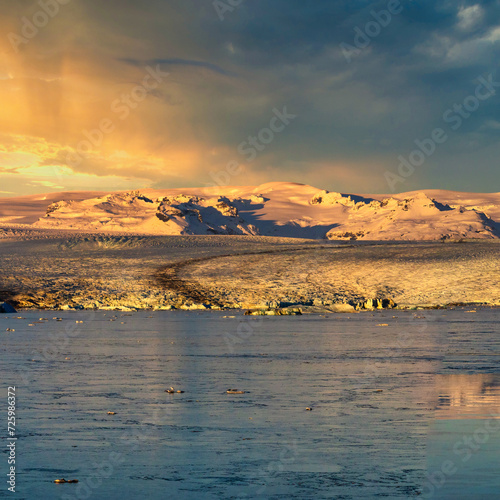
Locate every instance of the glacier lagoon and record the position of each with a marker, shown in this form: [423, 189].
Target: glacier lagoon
[401, 404]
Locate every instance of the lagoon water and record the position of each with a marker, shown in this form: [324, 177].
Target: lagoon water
[402, 404]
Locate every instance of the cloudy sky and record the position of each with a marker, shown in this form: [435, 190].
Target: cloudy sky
[166, 93]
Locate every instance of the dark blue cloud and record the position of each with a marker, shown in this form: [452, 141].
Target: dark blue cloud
[176, 62]
[288, 52]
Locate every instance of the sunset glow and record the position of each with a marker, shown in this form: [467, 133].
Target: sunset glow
[118, 95]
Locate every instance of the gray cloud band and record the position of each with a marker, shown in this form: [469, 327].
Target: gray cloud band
[454, 117]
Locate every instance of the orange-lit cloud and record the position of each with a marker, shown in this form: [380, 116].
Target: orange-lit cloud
[107, 95]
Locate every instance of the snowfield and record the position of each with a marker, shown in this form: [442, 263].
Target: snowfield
[273, 209]
[271, 247]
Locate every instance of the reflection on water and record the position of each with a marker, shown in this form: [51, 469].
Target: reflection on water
[463, 442]
[468, 396]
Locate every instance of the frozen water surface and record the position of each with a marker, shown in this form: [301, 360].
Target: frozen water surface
[391, 394]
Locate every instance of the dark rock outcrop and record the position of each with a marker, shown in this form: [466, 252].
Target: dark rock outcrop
[6, 308]
[376, 304]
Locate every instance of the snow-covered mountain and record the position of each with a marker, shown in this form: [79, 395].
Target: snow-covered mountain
[272, 209]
